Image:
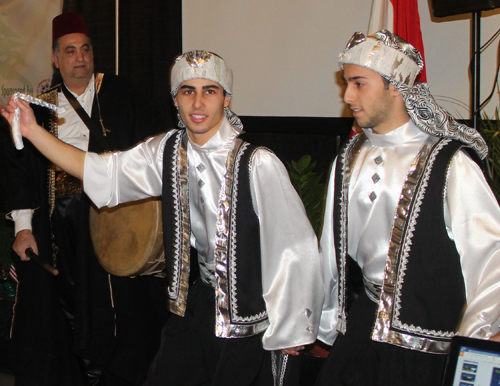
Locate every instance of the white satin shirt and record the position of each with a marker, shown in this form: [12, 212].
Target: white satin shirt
[291, 274]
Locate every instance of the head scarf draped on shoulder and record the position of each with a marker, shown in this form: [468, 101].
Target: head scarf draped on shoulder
[399, 62]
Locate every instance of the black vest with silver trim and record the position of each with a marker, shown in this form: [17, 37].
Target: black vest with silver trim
[240, 306]
[423, 295]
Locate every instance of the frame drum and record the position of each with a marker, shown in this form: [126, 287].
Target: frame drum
[128, 238]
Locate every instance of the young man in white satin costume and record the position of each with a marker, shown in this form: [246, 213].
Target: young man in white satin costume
[408, 202]
[258, 301]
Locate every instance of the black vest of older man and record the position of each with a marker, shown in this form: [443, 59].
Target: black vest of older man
[83, 326]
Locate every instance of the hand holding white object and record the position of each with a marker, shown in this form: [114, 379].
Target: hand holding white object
[15, 124]
[65, 156]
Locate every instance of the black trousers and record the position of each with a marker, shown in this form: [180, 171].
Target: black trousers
[190, 353]
[66, 227]
[356, 360]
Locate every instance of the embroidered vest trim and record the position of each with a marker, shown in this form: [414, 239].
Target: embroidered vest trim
[51, 96]
[388, 326]
[348, 159]
[233, 318]
[176, 233]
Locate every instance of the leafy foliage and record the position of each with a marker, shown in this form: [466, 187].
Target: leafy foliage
[307, 182]
[490, 130]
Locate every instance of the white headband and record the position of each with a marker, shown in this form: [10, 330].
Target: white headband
[204, 65]
[384, 53]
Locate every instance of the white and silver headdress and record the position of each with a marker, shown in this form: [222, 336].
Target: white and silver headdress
[399, 62]
[200, 64]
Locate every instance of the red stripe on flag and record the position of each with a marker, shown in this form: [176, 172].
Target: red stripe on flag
[407, 26]
[13, 274]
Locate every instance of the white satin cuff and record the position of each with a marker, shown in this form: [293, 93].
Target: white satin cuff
[22, 219]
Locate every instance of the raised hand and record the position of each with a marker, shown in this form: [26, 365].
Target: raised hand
[27, 117]
[63, 155]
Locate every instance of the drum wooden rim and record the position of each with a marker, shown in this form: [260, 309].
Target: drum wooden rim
[128, 238]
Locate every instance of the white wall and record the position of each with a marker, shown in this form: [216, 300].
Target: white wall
[284, 52]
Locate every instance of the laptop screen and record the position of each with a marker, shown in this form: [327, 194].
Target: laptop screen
[473, 362]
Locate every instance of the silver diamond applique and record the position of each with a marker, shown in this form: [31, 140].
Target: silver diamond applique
[375, 178]
[379, 160]
[482, 316]
[201, 183]
[307, 313]
[372, 196]
[201, 168]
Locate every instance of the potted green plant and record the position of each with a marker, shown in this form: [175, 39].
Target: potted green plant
[308, 184]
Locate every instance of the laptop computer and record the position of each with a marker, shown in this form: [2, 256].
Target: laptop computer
[473, 362]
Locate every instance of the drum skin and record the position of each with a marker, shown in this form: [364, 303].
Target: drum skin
[128, 238]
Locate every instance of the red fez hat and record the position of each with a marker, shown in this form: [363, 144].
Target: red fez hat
[68, 23]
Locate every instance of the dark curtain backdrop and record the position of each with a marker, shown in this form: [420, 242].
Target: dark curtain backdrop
[150, 37]
[290, 138]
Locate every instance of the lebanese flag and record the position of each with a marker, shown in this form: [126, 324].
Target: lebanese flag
[400, 17]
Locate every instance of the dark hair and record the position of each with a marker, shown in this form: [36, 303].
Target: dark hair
[386, 83]
[56, 78]
[56, 47]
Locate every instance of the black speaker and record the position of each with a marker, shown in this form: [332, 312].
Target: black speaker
[441, 8]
